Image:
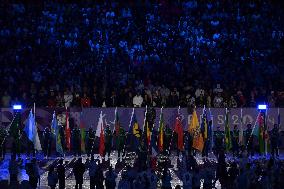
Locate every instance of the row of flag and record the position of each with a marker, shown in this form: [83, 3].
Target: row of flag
[199, 132]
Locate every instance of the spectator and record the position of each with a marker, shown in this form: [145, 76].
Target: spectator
[59, 100]
[221, 44]
[85, 101]
[137, 100]
[68, 98]
[218, 101]
[6, 99]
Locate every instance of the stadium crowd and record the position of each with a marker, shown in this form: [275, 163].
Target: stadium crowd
[161, 53]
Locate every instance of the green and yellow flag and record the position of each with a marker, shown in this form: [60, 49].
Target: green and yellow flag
[228, 141]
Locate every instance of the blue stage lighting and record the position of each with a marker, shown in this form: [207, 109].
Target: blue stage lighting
[262, 107]
[17, 107]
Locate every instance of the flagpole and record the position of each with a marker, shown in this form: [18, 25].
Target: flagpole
[66, 130]
[241, 129]
[252, 130]
[265, 132]
[212, 132]
[115, 112]
[144, 122]
[35, 119]
[131, 117]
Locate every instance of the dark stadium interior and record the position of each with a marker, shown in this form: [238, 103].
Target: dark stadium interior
[119, 94]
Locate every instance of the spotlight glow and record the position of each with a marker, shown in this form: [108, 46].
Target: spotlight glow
[17, 107]
[262, 107]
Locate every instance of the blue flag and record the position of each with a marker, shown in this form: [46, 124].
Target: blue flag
[31, 131]
[55, 132]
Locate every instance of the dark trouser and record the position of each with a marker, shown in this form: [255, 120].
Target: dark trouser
[78, 185]
[121, 150]
[3, 150]
[46, 148]
[218, 150]
[90, 148]
[92, 182]
[250, 150]
[16, 149]
[30, 149]
[274, 149]
[108, 149]
[61, 183]
[52, 187]
[13, 179]
[189, 150]
[205, 149]
[77, 148]
[235, 148]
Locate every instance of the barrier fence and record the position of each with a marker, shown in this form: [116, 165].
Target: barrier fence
[88, 117]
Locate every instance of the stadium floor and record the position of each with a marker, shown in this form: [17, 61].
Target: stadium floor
[70, 180]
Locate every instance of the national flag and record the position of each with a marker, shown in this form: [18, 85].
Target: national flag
[228, 140]
[148, 133]
[204, 124]
[258, 132]
[67, 131]
[146, 130]
[161, 133]
[31, 132]
[100, 122]
[116, 128]
[102, 140]
[179, 131]
[241, 132]
[100, 133]
[265, 135]
[116, 123]
[83, 133]
[134, 127]
[194, 130]
[56, 134]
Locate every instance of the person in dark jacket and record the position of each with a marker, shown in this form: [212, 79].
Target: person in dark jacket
[52, 178]
[274, 140]
[110, 179]
[61, 174]
[78, 170]
[46, 142]
[99, 178]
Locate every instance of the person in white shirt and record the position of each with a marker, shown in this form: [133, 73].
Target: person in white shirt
[137, 100]
[218, 89]
[68, 98]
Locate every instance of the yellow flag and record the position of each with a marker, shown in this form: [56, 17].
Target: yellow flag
[194, 130]
[194, 124]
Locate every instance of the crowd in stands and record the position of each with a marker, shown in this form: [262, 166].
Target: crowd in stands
[220, 53]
